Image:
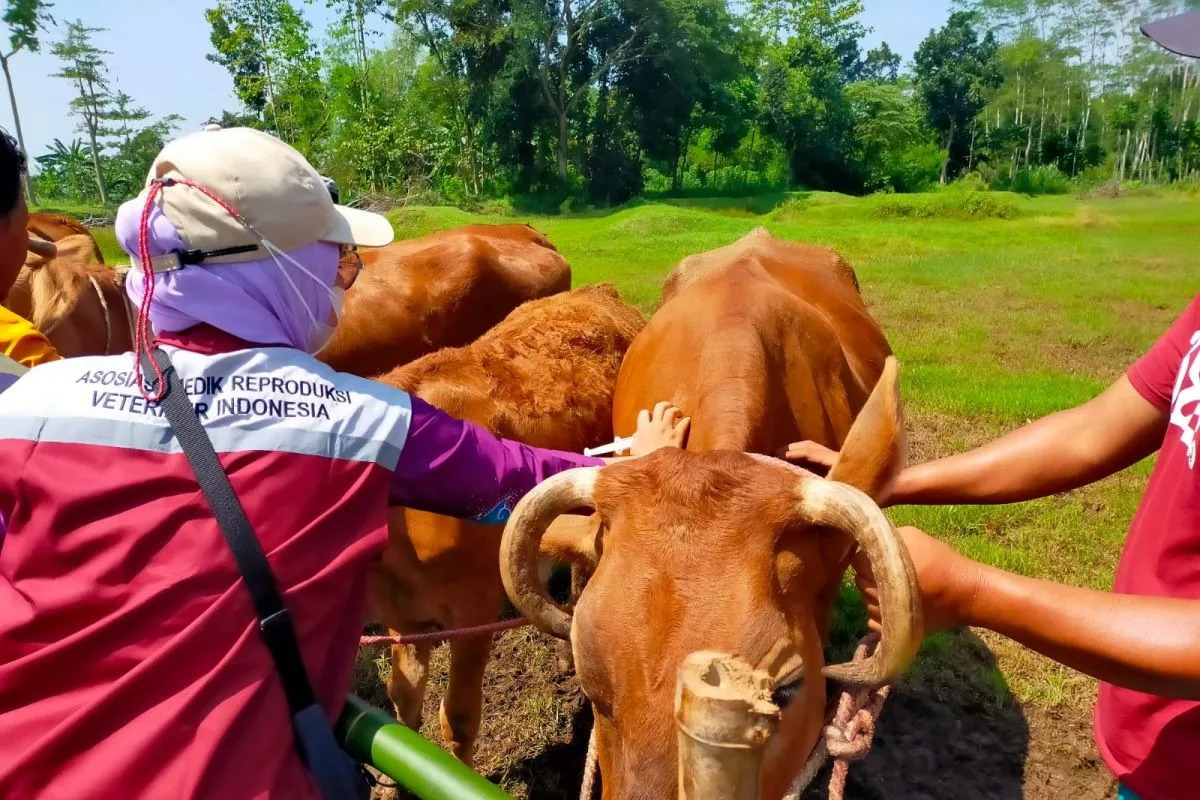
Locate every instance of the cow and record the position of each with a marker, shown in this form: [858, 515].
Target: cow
[543, 376]
[414, 297]
[51, 227]
[79, 304]
[761, 343]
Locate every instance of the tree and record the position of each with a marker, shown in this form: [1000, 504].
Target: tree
[562, 34]
[954, 68]
[63, 171]
[25, 19]
[889, 129]
[354, 14]
[881, 64]
[267, 48]
[83, 65]
[135, 150]
[691, 82]
[801, 86]
[240, 50]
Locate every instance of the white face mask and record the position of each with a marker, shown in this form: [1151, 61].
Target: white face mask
[320, 331]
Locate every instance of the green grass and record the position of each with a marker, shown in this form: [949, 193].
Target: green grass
[113, 254]
[77, 210]
[995, 319]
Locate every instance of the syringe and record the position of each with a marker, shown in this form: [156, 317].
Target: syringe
[618, 444]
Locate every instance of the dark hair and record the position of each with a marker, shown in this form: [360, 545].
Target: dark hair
[12, 167]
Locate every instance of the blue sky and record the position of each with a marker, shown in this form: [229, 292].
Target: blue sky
[158, 49]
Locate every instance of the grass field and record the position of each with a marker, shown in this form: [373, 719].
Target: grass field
[996, 320]
[999, 313]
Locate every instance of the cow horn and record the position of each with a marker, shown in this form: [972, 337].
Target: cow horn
[42, 248]
[559, 494]
[839, 506]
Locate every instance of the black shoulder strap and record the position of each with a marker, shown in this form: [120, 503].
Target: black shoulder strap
[329, 766]
[274, 621]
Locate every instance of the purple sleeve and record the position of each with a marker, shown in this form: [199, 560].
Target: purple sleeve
[458, 468]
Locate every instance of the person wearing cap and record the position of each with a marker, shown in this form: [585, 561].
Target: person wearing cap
[130, 661]
[21, 344]
[1142, 640]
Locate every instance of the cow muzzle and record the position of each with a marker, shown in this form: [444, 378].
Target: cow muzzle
[818, 502]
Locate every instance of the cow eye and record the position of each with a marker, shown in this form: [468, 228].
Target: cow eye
[786, 692]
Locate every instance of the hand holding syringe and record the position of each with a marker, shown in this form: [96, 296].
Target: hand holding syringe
[662, 427]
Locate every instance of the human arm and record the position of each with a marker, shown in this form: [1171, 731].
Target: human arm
[454, 467]
[22, 342]
[1063, 451]
[1149, 644]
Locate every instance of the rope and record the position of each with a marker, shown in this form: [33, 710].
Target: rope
[144, 339]
[588, 788]
[107, 318]
[849, 735]
[434, 637]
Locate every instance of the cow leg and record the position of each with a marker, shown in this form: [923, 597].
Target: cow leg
[406, 688]
[462, 705]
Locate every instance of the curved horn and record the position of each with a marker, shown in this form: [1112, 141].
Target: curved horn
[836, 505]
[523, 536]
[42, 248]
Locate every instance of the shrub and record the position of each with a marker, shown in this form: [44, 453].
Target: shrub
[1040, 179]
[970, 182]
[914, 169]
[945, 204]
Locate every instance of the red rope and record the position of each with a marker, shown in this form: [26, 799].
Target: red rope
[434, 637]
[143, 335]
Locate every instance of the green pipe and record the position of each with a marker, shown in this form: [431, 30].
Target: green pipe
[420, 766]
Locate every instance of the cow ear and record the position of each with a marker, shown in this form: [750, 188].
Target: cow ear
[874, 451]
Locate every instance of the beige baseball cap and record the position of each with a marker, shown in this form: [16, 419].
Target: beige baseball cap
[272, 186]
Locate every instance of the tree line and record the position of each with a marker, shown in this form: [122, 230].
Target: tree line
[592, 102]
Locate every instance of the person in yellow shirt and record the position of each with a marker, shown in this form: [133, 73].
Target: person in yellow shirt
[20, 341]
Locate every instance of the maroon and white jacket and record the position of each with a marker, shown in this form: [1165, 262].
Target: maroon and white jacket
[130, 662]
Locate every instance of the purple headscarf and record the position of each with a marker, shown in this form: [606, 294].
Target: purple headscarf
[251, 300]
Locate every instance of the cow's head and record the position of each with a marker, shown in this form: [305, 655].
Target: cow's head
[718, 551]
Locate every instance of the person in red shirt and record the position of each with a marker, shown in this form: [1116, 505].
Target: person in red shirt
[1143, 639]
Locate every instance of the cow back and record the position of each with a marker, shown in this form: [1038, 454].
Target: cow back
[445, 290]
[762, 343]
[77, 303]
[544, 376]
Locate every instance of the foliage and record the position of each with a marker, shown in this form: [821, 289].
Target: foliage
[954, 68]
[119, 153]
[569, 104]
[1038, 179]
[948, 204]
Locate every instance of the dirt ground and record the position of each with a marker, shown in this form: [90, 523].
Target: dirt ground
[951, 730]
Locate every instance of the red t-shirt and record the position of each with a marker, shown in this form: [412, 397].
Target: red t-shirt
[1151, 743]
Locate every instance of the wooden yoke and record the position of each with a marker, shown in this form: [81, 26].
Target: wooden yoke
[725, 716]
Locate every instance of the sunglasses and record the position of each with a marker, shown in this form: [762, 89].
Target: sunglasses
[349, 265]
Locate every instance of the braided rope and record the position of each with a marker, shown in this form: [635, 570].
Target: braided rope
[848, 736]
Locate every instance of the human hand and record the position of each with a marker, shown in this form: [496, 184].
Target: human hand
[816, 458]
[661, 427]
[947, 581]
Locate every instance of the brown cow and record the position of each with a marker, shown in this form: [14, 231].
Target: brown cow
[78, 304]
[761, 343]
[444, 290]
[544, 376]
[54, 227]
